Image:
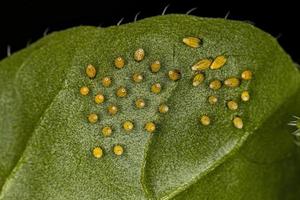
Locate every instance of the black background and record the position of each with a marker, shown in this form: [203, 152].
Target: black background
[24, 22]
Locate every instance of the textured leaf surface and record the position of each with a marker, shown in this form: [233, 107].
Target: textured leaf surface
[46, 139]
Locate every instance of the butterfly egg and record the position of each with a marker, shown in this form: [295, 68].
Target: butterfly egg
[205, 120]
[155, 66]
[246, 75]
[232, 82]
[163, 108]
[215, 85]
[106, 81]
[202, 64]
[238, 122]
[212, 99]
[112, 109]
[137, 77]
[198, 79]
[121, 92]
[119, 62]
[90, 71]
[97, 152]
[232, 105]
[99, 98]
[245, 96]
[139, 54]
[128, 126]
[174, 75]
[118, 150]
[140, 103]
[84, 90]
[193, 42]
[106, 131]
[218, 62]
[156, 88]
[92, 118]
[150, 127]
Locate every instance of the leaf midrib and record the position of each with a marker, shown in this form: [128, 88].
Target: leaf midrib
[227, 156]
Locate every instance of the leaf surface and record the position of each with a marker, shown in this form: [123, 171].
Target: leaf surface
[46, 140]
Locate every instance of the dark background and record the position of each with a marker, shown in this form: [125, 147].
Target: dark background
[24, 22]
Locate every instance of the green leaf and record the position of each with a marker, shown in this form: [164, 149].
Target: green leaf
[46, 140]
